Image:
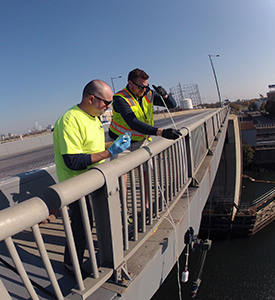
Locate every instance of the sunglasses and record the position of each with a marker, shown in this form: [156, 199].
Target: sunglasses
[141, 87]
[107, 103]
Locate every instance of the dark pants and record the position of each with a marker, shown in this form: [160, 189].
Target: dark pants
[78, 230]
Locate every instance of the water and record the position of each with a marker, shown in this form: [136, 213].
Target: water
[239, 269]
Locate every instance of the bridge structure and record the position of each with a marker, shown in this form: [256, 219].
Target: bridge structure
[131, 249]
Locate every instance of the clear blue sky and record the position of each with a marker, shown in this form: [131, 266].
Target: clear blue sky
[51, 49]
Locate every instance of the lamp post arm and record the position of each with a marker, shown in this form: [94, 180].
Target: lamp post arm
[113, 85]
[112, 80]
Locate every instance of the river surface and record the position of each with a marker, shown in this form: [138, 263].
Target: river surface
[236, 269]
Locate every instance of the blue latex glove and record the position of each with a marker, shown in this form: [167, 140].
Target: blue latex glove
[120, 144]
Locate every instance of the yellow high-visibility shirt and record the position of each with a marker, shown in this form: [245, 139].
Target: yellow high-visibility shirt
[76, 132]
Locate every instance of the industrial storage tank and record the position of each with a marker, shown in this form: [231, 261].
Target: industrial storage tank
[186, 103]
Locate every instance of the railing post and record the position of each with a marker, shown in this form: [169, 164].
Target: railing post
[108, 222]
[107, 208]
[206, 135]
[213, 126]
[190, 162]
[4, 294]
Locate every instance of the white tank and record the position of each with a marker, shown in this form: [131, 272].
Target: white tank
[186, 103]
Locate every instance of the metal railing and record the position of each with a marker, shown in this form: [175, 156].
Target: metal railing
[263, 126]
[266, 196]
[139, 187]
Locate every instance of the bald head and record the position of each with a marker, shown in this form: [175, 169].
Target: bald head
[99, 88]
[95, 96]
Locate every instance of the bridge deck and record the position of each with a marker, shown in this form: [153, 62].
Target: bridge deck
[151, 254]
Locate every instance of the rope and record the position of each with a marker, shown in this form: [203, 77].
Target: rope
[171, 221]
[170, 115]
[189, 222]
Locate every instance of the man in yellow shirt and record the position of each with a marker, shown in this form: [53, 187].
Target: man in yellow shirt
[79, 144]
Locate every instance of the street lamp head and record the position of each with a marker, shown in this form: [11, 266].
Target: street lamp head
[112, 79]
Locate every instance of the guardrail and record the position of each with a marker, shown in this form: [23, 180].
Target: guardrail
[170, 167]
[25, 144]
[269, 194]
[264, 126]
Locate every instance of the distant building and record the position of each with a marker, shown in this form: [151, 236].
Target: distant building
[107, 116]
[50, 127]
[249, 133]
[271, 94]
[4, 136]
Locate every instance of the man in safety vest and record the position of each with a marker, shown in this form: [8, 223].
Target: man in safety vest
[133, 110]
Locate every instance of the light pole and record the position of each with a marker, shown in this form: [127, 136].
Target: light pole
[218, 90]
[112, 79]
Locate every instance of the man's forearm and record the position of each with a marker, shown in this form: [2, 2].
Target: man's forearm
[96, 157]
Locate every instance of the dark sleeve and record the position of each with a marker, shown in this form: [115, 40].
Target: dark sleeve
[170, 101]
[121, 106]
[77, 161]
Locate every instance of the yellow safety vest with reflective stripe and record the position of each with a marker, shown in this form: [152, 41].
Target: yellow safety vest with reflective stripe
[145, 115]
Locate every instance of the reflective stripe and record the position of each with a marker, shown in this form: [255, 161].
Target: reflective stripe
[122, 130]
[127, 96]
[118, 124]
[148, 101]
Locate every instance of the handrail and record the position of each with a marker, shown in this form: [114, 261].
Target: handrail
[265, 196]
[170, 167]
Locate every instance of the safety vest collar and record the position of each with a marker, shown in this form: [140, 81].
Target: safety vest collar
[131, 99]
